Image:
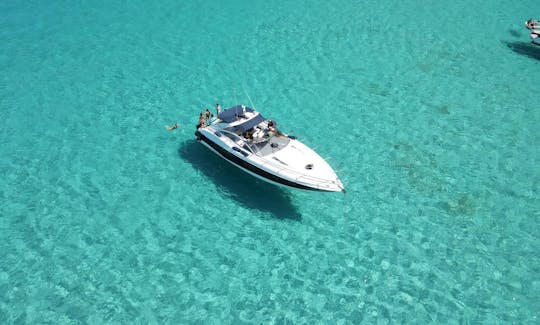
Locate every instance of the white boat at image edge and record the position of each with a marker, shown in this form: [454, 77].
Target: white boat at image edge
[243, 137]
[534, 27]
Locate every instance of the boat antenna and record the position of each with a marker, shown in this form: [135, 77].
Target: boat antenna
[245, 91]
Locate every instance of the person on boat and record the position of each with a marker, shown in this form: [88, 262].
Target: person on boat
[272, 126]
[201, 121]
[172, 127]
[218, 108]
[249, 134]
[206, 115]
[211, 119]
[272, 129]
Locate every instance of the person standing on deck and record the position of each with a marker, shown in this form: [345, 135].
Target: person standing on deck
[201, 121]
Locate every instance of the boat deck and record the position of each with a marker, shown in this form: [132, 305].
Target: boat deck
[271, 146]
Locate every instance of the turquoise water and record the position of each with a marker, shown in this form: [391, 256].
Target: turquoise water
[427, 110]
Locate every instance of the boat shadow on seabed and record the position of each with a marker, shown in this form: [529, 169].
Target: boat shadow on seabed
[236, 184]
[524, 48]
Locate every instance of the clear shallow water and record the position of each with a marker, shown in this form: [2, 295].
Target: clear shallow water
[107, 217]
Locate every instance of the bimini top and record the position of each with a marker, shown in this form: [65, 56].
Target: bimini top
[250, 123]
[234, 113]
[237, 113]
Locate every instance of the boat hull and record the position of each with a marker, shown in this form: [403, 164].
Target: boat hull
[239, 158]
[535, 38]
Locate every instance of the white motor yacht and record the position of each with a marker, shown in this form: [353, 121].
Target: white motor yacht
[246, 139]
[534, 27]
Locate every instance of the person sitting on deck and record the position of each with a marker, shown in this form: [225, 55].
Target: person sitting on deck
[271, 126]
[248, 134]
[272, 129]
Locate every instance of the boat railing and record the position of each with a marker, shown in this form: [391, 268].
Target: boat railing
[295, 174]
